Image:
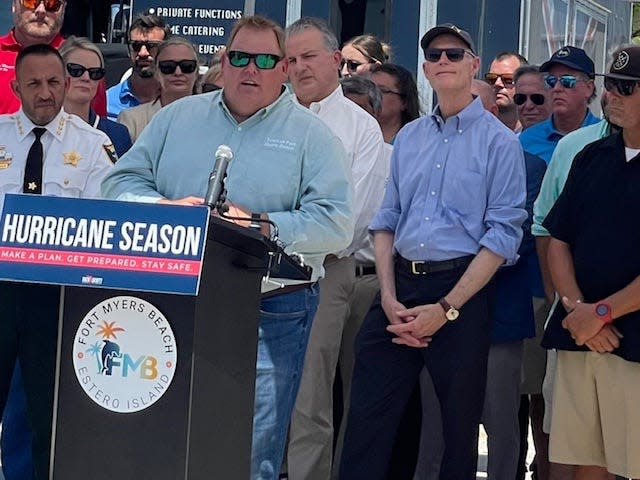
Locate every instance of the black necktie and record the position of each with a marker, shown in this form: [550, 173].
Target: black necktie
[33, 170]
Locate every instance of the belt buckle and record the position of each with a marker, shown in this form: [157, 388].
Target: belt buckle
[413, 268]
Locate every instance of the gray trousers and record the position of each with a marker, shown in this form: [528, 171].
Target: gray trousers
[499, 416]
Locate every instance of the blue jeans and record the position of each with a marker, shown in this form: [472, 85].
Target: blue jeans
[283, 333]
[17, 460]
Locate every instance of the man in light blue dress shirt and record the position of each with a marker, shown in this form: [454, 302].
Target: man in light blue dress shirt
[451, 215]
[288, 167]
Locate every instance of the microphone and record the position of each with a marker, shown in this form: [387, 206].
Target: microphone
[215, 188]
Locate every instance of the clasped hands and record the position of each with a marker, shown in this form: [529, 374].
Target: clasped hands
[587, 329]
[415, 326]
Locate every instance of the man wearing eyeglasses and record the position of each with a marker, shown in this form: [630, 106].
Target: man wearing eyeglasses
[288, 167]
[595, 266]
[569, 77]
[531, 97]
[72, 160]
[35, 21]
[453, 211]
[147, 31]
[500, 76]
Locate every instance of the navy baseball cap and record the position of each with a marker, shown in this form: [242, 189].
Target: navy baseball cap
[572, 57]
[447, 29]
[626, 64]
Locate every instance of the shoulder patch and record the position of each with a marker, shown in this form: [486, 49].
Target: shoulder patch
[111, 152]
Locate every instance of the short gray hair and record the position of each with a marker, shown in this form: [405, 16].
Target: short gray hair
[360, 85]
[328, 37]
[526, 70]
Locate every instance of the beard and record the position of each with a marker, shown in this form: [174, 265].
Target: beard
[144, 71]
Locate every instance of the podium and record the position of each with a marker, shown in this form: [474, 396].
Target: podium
[199, 425]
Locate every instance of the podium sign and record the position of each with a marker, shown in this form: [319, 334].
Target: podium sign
[102, 243]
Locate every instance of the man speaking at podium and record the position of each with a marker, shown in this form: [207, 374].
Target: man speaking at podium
[287, 167]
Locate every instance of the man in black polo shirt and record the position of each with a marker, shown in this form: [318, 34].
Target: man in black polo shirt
[595, 265]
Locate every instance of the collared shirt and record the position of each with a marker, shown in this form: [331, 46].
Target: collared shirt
[596, 215]
[455, 186]
[556, 175]
[287, 163]
[363, 141]
[120, 97]
[9, 49]
[366, 256]
[117, 133]
[541, 139]
[75, 155]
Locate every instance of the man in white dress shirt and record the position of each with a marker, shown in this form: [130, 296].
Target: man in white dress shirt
[314, 60]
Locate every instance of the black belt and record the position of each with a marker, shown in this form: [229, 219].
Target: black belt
[286, 289]
[418, 267]
[365, 270]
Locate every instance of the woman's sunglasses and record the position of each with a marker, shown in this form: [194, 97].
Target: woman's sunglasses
[521, 98]
[76, 70]
[264, 61]
[167, 67]
[49, 5]
[352, 65]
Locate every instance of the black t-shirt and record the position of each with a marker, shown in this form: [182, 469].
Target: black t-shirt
[598, 215]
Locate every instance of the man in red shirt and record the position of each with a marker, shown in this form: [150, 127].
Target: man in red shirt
[35, 21]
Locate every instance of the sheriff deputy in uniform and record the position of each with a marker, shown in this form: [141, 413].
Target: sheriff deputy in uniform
[43, 150]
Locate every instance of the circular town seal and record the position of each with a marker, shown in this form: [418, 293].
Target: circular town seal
[622, 60]
[124, 354]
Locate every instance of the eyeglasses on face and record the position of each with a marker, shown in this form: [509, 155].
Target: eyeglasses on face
[136, 45]
[433, 55]
[167, 67]
[521, 98]
[76, 70]
[567, 81]
[264, 61]
[352, 65]
[506, 78]
[624, 87]
[49, 5]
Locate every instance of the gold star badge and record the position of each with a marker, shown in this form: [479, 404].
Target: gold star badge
[71, 158]
[32, 185]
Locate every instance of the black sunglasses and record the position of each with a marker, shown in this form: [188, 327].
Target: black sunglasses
[76, 70]
[521, 98]
[136, 45]
[624, 87]
[167, 67]
[491, 78]
[433, 55]
[352, 65]
[49, 5]
[264, 61]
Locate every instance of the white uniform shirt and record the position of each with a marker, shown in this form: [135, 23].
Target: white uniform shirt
[76, 156]
[369, 162]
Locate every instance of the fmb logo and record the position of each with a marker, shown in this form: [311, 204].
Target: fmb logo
[124, 354]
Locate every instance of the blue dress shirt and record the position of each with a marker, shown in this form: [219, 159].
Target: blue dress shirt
[541, 139]
[455, 186]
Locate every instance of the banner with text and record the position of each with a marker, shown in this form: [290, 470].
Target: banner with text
[102, 243]
[206, 23]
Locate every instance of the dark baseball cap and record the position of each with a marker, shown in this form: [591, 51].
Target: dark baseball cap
[447, 29]
[626, 64]
[572, 57]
